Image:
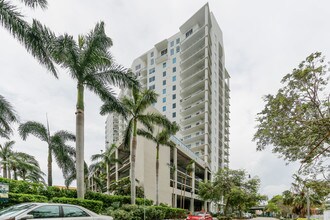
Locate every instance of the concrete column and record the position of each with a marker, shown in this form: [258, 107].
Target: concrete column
[192, 200]
[175, 160]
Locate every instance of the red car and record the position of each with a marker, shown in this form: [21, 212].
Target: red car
[199, 216]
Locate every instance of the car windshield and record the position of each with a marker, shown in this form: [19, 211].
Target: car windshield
[15, 210]
[199, 213]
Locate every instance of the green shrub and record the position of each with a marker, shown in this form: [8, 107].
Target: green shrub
[120, 214]
[23, 187]
[95, 206]
[172, 213]
[53, 191]
[16, 198]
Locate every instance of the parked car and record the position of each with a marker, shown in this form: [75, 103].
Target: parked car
[199, 216]
[53, 211]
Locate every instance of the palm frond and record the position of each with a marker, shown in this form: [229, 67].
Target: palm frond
[7, 117]
[146, 134]
[128, 134]
[65, 135]
[155, 118]
[148, 97]
[34, 128]
[35, 3]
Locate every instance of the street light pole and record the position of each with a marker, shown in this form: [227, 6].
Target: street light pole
[308, 205]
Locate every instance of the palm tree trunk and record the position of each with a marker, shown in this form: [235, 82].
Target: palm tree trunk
[108, 178]
[133, 155]
[4, 169]
[9, 174]
[80, 142]
[15, 173]
[50, 175]
[157, 174]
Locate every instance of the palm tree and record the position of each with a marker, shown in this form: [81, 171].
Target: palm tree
[35, 37]
[56, 143]
[7, 117]
[5, 152]
[108, 158]
[97, 172]
[161, 139]
[134, 109]
[25, 166]
[91, 65]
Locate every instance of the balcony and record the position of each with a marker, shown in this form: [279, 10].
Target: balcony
[198, 84]
[194, 137]
[193, 77]
[192, 108]
[193, 127]
[197, 56]
[200, 43]
[161, 58]
[197, 66]
[193, 97]
[193, 38]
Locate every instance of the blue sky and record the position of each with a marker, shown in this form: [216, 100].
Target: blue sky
[263, 41]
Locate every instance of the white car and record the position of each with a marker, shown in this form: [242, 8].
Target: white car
[51, 211]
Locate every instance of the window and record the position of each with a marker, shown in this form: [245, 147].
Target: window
[151, 71]
[174, 60]
[152, 54]
[164, 108]
[178, 49]
[172, 52]
[172, 43]
[164, 65]
[173, 78]
[164, 82]
[138, 67]
[71, 211]
[189, 33]
[173, 114]
[174, 88]
[178, 41]
[174, 96]
[163, 52]
[174, 69]
[152, 87]
[152, 62]
[164, 99]
[47, 211]
[174, 105]
[164, 73]
[151, 79]
[164, 91]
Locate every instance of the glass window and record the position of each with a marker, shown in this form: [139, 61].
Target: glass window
[174, 60]
[138, 67]
[173, 114]
[174, 88]
[164, 99]
[163, 52]
[164, 65]
[151, 79]
[164, 108]
[178, 49]
[172, 52]
[164, 91]
[174, 96]
[152, 54]
[173, 78]
[164, 82]
[71, 211]
[152, 61]
[177, 40]
[189, 33]
[172, 43]
[174, 105]
[152, 87]
[164, 73]
[47, 211]
[151, 71]
[174, 69]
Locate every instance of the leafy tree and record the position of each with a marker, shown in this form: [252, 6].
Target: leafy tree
[233, 187]
[134, 108]
[56, 144]
[35, 37]
[276, 205]
[7, 117]
[122, 187]
[107, 158]
[296, 120]
[5, 152]
[161, 139]
[92, 66]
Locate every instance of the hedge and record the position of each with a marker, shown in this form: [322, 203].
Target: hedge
[95, 206]
[16, 198]
[108, 200]
[20, 186]
[53, 191]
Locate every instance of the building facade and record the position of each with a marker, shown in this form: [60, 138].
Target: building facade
[188, 72]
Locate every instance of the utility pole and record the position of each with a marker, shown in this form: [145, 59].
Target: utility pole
[308, 205]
